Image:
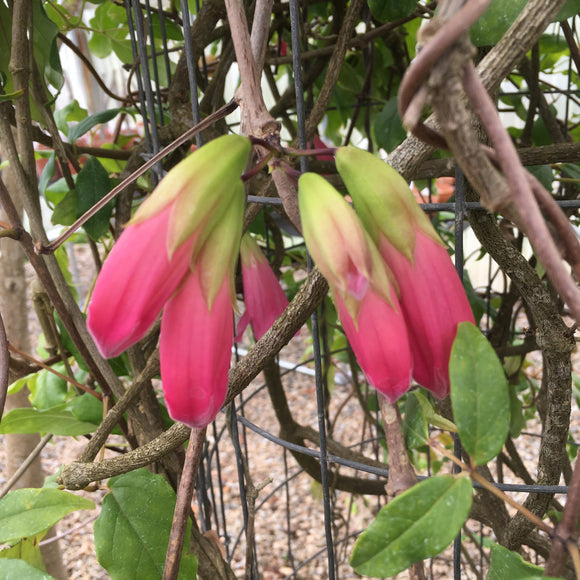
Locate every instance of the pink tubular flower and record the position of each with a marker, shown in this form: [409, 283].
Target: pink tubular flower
[264, 297]
[179, 251]
[359, 282]
[431, 293]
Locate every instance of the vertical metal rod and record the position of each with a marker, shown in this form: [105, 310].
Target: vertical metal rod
[154, 62]
[156, 173]
[191, 68]
[301, 118]
[135, 51]
[459, 263]
[164, 42]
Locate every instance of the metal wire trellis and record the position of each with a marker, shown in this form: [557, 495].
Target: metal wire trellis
[213, 497]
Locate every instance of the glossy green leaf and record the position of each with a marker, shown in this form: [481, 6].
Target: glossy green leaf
[418, 524]
[22, 570]
[87, 124]
[479, 395]
[132, 531]
[93, 184]
[57, 421]
[27, 512]
[508, 565]
[389, 10]
[494, 23]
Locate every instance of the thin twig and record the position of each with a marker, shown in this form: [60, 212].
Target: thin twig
[25, 465]
[183, 504]
[44, 366]
[66, 40]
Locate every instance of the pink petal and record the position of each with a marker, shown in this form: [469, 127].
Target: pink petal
[136, 280]
[264, 297]
[433, 303]
[195, 352]
[380, 343]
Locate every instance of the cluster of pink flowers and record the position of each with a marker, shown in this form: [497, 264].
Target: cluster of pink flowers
[393, 283]
[398, 295]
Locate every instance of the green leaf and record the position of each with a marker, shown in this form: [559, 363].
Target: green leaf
[571, 8]
[418, 524]
[49, 390]
[495, 22]
[508, 565]
[570, 169]
[100, 45]
[18, 385]
[27, 512]
[87, 408]
[47, 174]
[87, 124]
[20, 569]
[132, 531]
[64, 264]
[65, 212]
[431, 416]
[26, 549]
[479, 395]
[388, 128]
[45, 46]
[70, 112]
[57, 421]
[389, 10]
[93, 184]
[415, 426]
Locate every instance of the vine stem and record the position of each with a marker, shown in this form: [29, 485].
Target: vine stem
[183, 504]
[401, 473]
